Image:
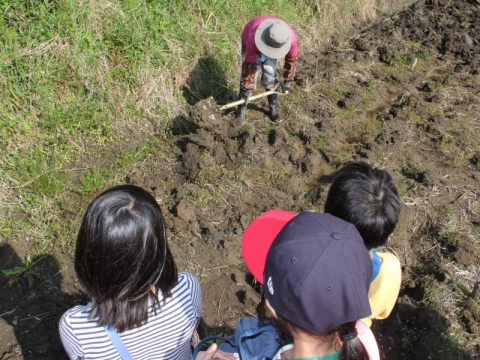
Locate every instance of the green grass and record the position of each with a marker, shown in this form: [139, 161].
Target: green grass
[322, 142]
[405, 187]
[79, 80]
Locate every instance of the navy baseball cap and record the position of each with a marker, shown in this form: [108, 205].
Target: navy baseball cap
[317, 270]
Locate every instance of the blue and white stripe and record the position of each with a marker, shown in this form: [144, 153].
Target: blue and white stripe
[166, 335]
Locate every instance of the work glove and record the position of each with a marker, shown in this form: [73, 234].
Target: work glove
[286, 87]
[245, 95]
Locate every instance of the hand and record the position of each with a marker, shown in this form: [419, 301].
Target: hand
[245, 95]
[213, 353]
[286, 86]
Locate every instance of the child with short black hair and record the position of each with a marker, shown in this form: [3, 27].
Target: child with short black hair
[124, 263]
[368, 198]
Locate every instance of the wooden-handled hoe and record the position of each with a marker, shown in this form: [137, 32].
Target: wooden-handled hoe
[254, 97]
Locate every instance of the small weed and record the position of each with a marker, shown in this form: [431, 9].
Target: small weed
[405, 187]
[446, 143]
[344, 155]
[267, 129]
[410, 337]
[450, 239]
[412, 116]
[25, 271]
[92, 182]
[367, 97]
[447, 212]
[403, 59]
[322, 142]
[207, 344]
[347, 114]
[204, 198]
[211, 172]
[372, 127]
[409, 44]
[329, 91]
[282, 176]
[456, 162]
[475, 159]
[154, 146]
[410, 170]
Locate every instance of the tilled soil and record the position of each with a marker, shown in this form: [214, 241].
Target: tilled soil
[402, 93]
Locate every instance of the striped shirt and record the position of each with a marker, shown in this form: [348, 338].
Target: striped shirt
[166, 335]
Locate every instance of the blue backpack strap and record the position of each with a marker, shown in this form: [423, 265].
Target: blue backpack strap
[198, 347]
[377, 263]
[259, 339]
[118, 343]
[253, 340]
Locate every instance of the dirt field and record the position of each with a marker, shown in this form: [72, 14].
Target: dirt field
[402, 93]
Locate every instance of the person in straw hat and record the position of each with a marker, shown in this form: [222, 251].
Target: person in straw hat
[265, 40]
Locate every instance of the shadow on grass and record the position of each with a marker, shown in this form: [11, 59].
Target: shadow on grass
[208, 79]
[31, 304]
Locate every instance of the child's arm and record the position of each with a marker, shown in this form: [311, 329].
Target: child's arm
[69, 339]
[213, 353]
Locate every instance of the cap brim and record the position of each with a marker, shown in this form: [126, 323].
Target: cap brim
[258, 237]
[271, 52]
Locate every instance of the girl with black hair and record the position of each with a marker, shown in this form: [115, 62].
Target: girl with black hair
[352, 341]
[140, 307]
[316, 274]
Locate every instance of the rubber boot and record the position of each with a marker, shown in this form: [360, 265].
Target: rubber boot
[245, 95]
[273, 105]
[240, 114]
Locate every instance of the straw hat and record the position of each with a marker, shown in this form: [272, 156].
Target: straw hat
[273, 38]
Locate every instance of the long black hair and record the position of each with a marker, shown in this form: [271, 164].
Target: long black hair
[121, 253]
[352, 347]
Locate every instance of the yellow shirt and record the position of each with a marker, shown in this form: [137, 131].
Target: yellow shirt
[384, 289]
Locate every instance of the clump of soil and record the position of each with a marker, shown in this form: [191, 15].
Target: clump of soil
[401, 93]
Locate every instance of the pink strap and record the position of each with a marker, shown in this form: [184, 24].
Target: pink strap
[368, 340]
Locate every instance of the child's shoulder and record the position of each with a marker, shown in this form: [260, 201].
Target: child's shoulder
[186, 277]
[388, 257]
[76, 314]
[78, 311]
[390, 264]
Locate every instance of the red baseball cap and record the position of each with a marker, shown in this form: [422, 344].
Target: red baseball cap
[258, 237]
